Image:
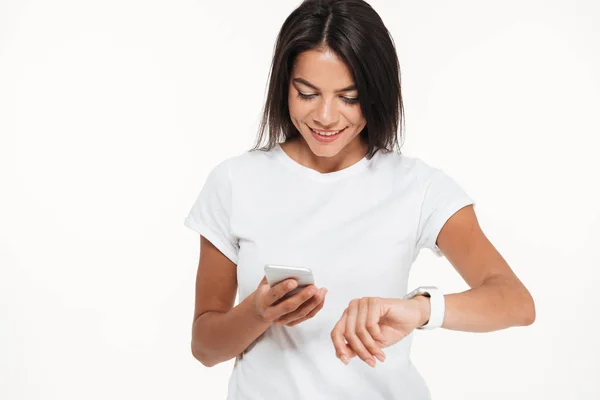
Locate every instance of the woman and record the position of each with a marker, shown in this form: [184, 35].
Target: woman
[331, 192]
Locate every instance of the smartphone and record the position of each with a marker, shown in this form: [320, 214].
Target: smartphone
[278, 273]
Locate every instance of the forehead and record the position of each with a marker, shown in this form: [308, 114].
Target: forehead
[322, 68]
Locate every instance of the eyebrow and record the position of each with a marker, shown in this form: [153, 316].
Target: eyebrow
[310, 85]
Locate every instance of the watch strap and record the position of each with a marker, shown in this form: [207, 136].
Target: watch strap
[437, 305]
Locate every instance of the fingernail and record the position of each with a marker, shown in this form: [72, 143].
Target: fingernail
[380, 357]
[344, 360]
[371, 362]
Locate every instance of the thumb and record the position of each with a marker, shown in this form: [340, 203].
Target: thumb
[261, 290]
[263, 286]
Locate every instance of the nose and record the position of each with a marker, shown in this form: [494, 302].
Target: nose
[326, 114]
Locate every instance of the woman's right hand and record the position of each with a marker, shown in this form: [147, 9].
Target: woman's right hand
[296, 309]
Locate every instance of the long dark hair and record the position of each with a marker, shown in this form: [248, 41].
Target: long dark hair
[357, 35]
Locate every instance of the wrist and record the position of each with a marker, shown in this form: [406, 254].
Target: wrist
[423, 305]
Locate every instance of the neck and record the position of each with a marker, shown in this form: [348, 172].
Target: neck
[299, 151]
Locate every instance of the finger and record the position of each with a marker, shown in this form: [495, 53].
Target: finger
[321, 298]
[351, 337]
[291, 304]
[342, 350]
[373, 317]
[304, 309]
[280, 289]
[363, 333]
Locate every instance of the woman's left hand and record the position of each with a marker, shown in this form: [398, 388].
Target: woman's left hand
[372, 323]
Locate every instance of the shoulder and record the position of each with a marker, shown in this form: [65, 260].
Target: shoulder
[244, 165]
[406, 168]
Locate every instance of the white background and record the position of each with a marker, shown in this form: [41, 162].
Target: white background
[112, 114]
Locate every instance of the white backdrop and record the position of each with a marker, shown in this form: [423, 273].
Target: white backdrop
[112, 114]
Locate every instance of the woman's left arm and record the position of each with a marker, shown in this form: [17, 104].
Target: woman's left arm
[497, 298]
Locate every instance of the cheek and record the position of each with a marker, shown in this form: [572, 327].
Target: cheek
[355, 116]
[298, 110]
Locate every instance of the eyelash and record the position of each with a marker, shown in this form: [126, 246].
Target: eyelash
[344, 99]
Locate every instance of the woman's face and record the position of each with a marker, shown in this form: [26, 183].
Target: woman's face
[322, 98]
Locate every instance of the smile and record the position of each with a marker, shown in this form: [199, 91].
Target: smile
[326, 133]
[326, 136]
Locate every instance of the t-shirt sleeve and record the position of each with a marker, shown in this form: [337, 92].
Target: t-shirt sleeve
[211, 212]
[443, 197]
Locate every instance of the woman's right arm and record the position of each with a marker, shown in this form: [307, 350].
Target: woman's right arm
[220, 331]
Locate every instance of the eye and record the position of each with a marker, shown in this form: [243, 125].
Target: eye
[350, 100]
[305, 96]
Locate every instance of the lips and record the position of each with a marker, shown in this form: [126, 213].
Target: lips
[327, 132]
[326, 138]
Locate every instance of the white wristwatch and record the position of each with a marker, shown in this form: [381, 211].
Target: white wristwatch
[437, 305]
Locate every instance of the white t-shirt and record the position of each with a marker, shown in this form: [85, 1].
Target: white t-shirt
[358, 229]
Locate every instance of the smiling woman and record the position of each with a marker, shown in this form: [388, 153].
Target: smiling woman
[323, 105]
[331, 192]
[330, 75]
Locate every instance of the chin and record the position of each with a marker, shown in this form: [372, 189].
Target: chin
[324, 150]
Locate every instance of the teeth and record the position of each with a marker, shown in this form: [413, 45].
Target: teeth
[326, 133]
